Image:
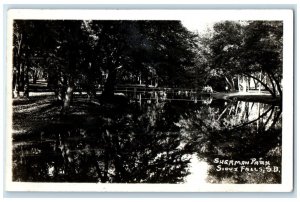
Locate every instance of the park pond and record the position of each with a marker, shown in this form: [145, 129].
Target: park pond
[156, 139]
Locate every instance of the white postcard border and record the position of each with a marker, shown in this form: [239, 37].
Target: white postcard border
[143, 14]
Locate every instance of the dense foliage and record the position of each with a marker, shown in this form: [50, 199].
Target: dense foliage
[243, 52]
[92, 55]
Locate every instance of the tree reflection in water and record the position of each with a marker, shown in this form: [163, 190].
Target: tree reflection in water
[235, 131]
[129, 145]
[152, 143]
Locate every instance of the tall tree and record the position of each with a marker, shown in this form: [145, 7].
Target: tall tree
[244, 51]
[62, 49]
[147, 49]
[225, 47]
[22, 46]
[263, 50]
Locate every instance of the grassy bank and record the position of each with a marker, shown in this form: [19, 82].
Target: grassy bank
[37, 112]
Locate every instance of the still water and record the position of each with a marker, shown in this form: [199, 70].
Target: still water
[157, 140]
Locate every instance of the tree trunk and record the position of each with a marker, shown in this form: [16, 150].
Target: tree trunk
[109, 85]
[34, 76]
[259, 90]
[16, 83]
[238, 83]
[18, 65]
[262, 83]
[26, 83]
[257, 119]
[249, 83]
[230, 84]
[277, 84]
[272, 83]
[244, 83]
[22, 80]
[60, 94]
[68, 98]
[18, 76]
[16, 91]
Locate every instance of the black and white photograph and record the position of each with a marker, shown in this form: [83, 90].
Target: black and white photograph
[181, 101]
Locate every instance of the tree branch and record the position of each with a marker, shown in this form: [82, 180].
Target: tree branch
[244, 124]
[222, 113]
[277, 83]
[262, 83]
[271, 80]
[269, 117]
[276, 118]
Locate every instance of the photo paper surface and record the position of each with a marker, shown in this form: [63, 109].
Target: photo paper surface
[149, 100]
